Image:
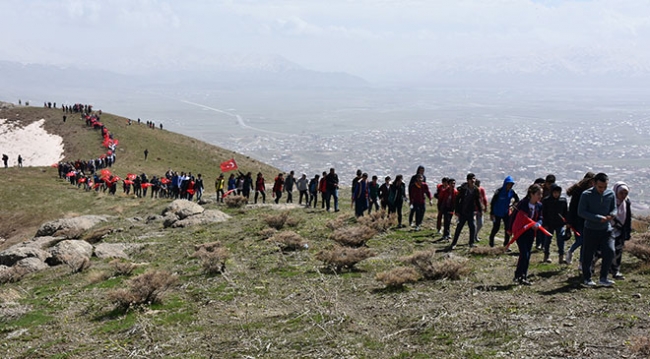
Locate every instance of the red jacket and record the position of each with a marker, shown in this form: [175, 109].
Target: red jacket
[447, 199]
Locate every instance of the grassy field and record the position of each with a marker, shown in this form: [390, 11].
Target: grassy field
[287, 304]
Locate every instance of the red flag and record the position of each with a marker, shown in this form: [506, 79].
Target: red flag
[164, 180]
[227, 193]
[130, 176]
[146, 185]
[70, 174]
[128, 181]
[82, 180]
[229, 165]
[56, 165]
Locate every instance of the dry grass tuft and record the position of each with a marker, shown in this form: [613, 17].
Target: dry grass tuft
[145, 289]
[640, 345]
[13, 274]
[452, 268]
[378, 221]
[95, 277]
[277, 221]
[97, 235]
[487, 251]
[235, 201]
[639, 246]
[289, 241]
[268, 232]
[355, 236]
[397, 277]
[343, 257]
[293, 221]
[640, 225]
[213, 256]
[122, 267]
[340, 221]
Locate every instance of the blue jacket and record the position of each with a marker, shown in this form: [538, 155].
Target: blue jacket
[501, 199]
[593, 207]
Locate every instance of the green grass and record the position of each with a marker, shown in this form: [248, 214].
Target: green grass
[273, 304]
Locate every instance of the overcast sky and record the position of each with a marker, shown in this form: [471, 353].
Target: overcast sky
[372, 39]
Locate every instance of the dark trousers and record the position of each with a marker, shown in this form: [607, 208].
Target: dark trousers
[496, 226]
[373, 202]
[525, 244]
[278, 195]
[419, 213]
[303, 194]
[618, 255]
[396, 208]
[595, 240]
[447, 216]
[289, 197]
[313, 197]
[257, 193]
[439, 219]
[462, 219]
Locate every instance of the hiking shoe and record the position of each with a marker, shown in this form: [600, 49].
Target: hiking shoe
[589, 283]
[547, 259]
[619, 276]
[561, 260]
[524, 281]
[569, 257]
[606, 282]
[477, 239]
[417, 228]
[439, 231]
[472, 245]
[451, 248]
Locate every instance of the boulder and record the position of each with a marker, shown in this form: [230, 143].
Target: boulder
[32, 264]
[70, 227]
[169, 220]
[110, 250]
[207, 217]
[12, 255]
[70, 251]
[41, 242]
[183, 208]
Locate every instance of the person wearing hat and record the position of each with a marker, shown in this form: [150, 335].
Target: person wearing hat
[467, 201]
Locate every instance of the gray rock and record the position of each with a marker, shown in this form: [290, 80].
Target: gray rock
[204, 201]
[12, 255]
[207, 217]
[69, 251]
[183, 208]
[110, 250]
[32, 264]
[154, 218]
[169, 220]
[69, 226]
[41, 242]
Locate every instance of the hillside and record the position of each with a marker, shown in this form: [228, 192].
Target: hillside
[31, 196]
[269, 283]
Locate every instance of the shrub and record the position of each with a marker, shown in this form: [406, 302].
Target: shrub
[640, 345]
[356, 236]
[122, 267]
[277, 221]
[213, 256]
[95, 277]
[378, 221]
[292, 221]
[343, 257]
[639, 247]
[451, 267]
[268, 232]
[235, 201]
[145, 289]
[340, 221]
[397, 277]
[488, 251]
[289, 241]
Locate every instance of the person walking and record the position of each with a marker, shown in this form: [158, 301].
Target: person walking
[500, 204]
[467, 200]
[396, 197]
[598, 207]
[418, 192]
[529, 210]
[621, 226]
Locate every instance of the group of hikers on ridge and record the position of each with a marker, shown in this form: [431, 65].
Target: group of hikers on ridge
[597, 217]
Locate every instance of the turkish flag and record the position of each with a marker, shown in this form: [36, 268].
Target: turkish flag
[229, 165]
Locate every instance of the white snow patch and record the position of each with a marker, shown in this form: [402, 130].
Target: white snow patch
[36, 146]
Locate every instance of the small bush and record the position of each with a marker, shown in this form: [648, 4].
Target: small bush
[145, 289]
[213, 257]
[452, 268]
[640, 345]
[95, 277]
[277, 221]
[487, 251]
[289, 241]
[639, 247]
[122, 267]
[356, 236]
[292, 221]
[12, 274]
[397, 277]
[340, 222]
[378, 220]
[268, 232]
[235, 201]
[640, 225]
[343, 257]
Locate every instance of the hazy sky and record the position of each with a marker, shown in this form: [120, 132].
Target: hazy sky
[373, 39]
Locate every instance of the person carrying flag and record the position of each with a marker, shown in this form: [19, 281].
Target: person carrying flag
[527, 220]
